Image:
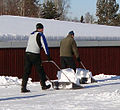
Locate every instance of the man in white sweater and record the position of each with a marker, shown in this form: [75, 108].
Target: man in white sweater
[32, 57]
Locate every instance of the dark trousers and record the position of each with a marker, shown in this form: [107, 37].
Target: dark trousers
[67, 62]
[30, 60]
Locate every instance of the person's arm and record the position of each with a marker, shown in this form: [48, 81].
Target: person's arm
[44, 44]
[41, 41]
[75, 50]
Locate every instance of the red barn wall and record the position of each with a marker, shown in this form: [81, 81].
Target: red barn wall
[96, 59]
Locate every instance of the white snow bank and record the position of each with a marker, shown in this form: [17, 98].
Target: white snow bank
[104, 77]
[9, 80]
[18, 28]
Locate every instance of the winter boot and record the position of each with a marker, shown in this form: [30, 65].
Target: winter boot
[93, 80]
[24, 90]
[44, 86]
[24, 84]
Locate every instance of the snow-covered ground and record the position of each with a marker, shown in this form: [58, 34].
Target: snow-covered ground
[104, 95]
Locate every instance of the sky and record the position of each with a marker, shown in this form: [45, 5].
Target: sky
[80, 7]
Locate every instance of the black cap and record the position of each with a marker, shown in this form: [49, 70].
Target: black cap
[71, 33]
[39, 26]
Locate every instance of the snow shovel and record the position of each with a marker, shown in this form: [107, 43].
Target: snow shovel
[84, 80]
[57, 85]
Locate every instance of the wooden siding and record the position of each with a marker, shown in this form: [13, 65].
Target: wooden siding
[101, 59]
[96, 59]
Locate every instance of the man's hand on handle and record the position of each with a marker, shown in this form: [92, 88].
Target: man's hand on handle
[49, 58]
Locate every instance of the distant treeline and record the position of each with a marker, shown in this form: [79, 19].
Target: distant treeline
[107, 11]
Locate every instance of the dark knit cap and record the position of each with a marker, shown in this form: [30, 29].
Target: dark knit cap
[39, 26]
[71, 33]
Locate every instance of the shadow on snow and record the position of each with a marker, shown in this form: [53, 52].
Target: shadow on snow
[21, 97]
[112, 78]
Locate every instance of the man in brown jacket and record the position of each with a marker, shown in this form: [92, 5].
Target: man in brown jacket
[68, 48]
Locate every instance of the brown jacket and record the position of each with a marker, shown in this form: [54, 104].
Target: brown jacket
[68, 47]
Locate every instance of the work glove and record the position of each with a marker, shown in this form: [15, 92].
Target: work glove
[49, 58]
[78, 59]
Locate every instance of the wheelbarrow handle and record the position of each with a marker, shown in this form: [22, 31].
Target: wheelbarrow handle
[51, 61]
